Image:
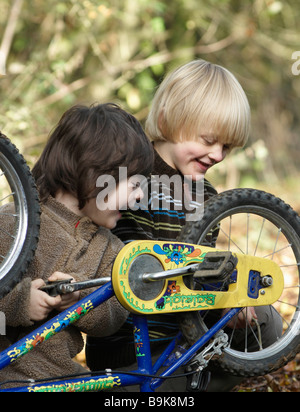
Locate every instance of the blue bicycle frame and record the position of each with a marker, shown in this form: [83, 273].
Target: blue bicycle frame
[146, 376]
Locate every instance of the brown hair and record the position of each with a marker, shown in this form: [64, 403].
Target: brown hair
[89, 142]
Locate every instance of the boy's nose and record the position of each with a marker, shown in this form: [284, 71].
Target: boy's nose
[217, 153]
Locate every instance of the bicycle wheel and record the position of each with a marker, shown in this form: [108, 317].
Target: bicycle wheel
[254, 223]
[19, 216]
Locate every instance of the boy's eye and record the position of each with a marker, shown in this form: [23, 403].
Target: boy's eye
[209, 141]
[227, 147]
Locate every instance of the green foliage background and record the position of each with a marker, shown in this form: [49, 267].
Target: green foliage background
[61, 52]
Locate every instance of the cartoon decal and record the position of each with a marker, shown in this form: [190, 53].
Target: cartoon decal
[138, 343]
[56, 327]
[93, 385]
[177, 253]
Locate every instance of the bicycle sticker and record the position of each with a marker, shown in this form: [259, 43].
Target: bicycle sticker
[93, 385]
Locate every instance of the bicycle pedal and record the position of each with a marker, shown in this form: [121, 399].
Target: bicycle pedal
[217, 267]
[198, 382]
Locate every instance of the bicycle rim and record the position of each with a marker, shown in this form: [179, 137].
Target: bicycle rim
[12, 191]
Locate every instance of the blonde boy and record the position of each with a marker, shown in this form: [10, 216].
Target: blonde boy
[199, 114]
[201, 108]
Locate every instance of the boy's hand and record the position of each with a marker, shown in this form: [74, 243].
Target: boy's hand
[246, 316]
[41, 304]
[65, 300]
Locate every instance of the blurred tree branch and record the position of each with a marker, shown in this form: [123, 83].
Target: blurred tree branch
[9, 34]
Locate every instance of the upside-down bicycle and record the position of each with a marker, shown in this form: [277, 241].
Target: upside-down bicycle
[254, 261]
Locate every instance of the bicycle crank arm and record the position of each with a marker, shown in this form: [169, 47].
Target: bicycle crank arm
[64, 287]
[217, 267]
[170, 274]
[73, 287]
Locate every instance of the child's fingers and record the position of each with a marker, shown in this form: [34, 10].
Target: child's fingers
[52, 302]
[38, 283]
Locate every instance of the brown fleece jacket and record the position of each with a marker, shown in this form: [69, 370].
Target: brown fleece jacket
[71, 245]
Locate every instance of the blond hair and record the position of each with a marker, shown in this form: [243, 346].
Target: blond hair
[200, 97]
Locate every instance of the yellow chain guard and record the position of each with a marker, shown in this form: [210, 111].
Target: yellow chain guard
[174, 296]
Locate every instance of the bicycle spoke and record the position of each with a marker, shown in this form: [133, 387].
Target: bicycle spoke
[247, 236]
[259, 237]
[233, 330]
[9, 214]
[248, 324]
[6, 197]
[282, 318]
[246, 331]
[289, 304]
[229, 237]
[7, 233]
[275, 246]
[288, 266]
[234, 243]
[277, 251]
[291, 287]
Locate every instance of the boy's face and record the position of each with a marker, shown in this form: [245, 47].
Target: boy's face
[194, 158]
[105, 210]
